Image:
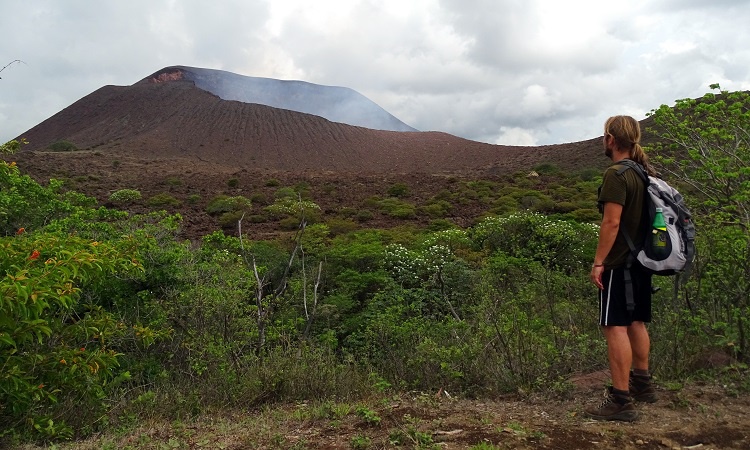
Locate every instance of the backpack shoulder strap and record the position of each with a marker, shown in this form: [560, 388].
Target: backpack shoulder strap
[630, 164]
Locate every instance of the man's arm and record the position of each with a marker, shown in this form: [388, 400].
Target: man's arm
[607, 235]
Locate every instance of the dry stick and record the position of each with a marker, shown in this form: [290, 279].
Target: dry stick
[262, 313]
[311, 316]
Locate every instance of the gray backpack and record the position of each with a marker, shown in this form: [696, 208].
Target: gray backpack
[680, 228]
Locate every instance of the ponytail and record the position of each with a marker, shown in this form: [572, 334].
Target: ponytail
[638, 155]
[627, 134]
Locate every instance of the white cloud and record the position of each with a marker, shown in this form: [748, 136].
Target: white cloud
[515, 136]
[500, 71]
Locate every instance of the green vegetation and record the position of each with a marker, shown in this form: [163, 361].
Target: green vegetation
[125, 197]
[705, 144]
[163, 199]
[223, 203]
[398, 190]
[106, 320]
[62, 146]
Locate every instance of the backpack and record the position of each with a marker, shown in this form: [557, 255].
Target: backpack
[680, 228]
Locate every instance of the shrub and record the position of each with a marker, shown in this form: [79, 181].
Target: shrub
[289, 206]
[49, 360]
[230, 219]
[398, 190]
[163, 199]
[11, 147]
[546, 168]
[62, 146]
[233, 182]
[564, 207]
[285, 192]
[441, 225]
[436, 209]
[341, 226]
[258, 199]
[555, 243]
[586, 215]
[364, 216]
[397, 208]
[222, 204]
[125, 196]
[173, 182]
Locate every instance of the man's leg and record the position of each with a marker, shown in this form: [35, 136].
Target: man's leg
[618, 405]
[620, 355]
[641, 388]
[640, 345]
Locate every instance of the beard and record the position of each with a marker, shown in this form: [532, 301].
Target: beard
[607, 152]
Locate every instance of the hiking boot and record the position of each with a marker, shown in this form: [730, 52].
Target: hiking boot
[641, 388]
[618, 405]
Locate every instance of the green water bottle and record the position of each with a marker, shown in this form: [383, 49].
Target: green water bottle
[660, 235]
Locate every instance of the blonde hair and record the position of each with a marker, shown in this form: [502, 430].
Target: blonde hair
[627, 134]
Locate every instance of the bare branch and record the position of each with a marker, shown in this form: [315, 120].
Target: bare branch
[15, 61]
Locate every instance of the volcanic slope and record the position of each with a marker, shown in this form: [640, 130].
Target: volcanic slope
[176, 119]
[335, 103]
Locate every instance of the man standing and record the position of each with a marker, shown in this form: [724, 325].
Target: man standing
[622, 196]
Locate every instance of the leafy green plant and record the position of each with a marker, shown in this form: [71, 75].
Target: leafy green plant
[436, 208]
[163, 199]
[360, 442]
[370, 416]
[46, 357]
[125, 196]
[230, 219]
[397, 208]
[225, 204]
[704, 144]
[420, 439]
[291, 206]
[13, 146]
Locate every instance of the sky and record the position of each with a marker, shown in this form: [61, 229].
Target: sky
[513, 72]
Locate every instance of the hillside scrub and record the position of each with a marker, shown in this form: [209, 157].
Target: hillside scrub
[108, 310]
[704, 144]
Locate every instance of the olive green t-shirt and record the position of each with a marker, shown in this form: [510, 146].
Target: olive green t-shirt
[626, 189]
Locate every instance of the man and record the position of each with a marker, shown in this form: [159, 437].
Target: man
[622, 196]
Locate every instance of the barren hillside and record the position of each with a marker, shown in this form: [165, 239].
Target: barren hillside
[173, 137]
[178, 120]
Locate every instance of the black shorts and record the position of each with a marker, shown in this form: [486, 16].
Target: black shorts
[612, 304]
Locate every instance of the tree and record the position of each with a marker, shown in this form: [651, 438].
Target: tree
[705, 144]
[11, 147]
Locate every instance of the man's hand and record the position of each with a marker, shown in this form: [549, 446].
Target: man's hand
[596, 276]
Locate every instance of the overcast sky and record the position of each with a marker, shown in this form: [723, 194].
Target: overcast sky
[521, 72]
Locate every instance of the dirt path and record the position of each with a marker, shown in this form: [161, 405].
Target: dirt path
[698, 416]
